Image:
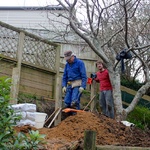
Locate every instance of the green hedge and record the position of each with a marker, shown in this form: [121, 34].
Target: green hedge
[140, 116]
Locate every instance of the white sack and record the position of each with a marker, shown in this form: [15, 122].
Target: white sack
[26, 122]
[30, 116]
[128, 124]
[22, 114]
[24, 107]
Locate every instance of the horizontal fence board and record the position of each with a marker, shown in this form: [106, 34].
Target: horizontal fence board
[6, 68]
[5, 74]
[36, 85]
[132, 92]
[36, 82]
[128, 95]
[37, 76]
[36, 92]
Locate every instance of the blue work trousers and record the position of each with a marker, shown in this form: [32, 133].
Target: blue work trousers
[107, 103]
[72, 95]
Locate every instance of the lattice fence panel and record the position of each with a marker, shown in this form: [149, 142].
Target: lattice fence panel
[39, 53]
[8, 42]
[36, 51]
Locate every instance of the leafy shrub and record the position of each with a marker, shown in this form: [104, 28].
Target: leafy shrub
[8, 138]
[140, 117]
[6, 114]
[28, 142]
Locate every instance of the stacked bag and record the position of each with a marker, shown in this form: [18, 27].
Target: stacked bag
[28, 114]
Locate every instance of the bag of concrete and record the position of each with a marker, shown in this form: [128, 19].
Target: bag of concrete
[22, 114]
[24, 107]
[30, 116]
[26, 122]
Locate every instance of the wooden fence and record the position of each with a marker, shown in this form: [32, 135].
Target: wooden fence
[128, 95]
[31, 62]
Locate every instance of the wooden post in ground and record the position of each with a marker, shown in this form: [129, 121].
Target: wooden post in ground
[92, 106]
[57, 93]
[89, 140]
[16, 71]
[93, 92]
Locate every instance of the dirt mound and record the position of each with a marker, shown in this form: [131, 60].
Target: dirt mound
[108, 131]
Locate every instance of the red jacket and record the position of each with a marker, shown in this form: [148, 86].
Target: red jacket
[103, 79]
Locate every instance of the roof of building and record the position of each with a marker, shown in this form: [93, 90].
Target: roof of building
[52, 7]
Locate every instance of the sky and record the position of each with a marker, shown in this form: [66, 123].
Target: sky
[26, 2]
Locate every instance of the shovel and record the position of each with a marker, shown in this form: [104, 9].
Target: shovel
[66, 110]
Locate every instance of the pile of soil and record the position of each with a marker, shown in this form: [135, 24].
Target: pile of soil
[70, 132]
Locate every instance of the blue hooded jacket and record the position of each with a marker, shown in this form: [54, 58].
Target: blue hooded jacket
[75, 71]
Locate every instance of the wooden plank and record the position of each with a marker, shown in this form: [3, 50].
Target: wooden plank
[112, 147]
[40, 80]
[34, 71]
[49, 99]
[6, 71]
[36, 75]
[54, 112]
[37, 92]
[132, 92]
[125, 103]
[6, 68]
[37, 78]
[36, 85]
[34, 89]
[5, 74]
[56, 115]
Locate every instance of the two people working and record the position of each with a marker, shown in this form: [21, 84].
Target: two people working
[74, 83]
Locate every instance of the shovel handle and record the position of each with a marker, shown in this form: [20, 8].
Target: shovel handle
[89, 102]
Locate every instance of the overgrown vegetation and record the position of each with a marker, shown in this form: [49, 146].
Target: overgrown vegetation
[132, 84]
[27, 98]
[8, 138]
[140, 117]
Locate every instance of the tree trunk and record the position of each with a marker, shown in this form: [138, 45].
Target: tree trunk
[115, 81]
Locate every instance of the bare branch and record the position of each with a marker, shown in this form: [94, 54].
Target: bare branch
[112, 36]
[89, 18]
[126, 24]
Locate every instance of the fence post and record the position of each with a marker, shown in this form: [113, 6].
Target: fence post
[58, 101]
[92, 106]
[93, 92]
[89, 140]
[16, 71]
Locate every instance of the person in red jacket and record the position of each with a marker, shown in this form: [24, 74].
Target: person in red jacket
[106, 96]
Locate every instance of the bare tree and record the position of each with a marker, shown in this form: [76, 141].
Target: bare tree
[109, 27]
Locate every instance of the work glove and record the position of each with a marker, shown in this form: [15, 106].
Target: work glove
[64, 89]
[81, 89]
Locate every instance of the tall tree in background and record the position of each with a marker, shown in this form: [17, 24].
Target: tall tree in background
[109, 27]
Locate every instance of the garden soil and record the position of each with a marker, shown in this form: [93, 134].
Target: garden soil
[70, 132]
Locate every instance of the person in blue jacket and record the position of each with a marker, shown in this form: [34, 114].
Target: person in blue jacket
[74, 80]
